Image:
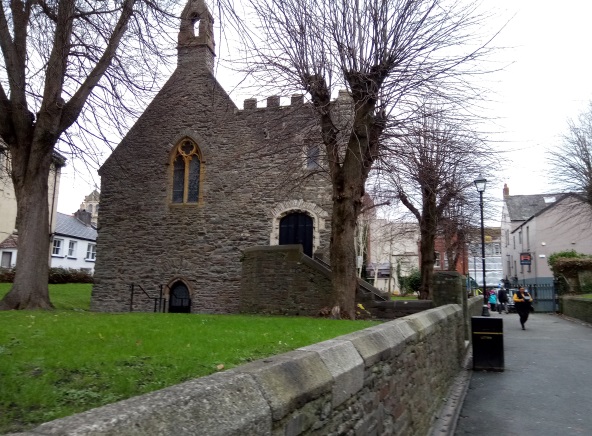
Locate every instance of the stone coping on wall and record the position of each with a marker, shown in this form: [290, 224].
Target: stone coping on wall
[279, 393]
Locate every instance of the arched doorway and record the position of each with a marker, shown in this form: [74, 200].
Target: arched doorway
[179, 299]
[297, 228]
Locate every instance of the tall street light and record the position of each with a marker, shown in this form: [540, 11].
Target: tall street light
[480, 183]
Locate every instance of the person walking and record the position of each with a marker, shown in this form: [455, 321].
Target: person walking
[522, 302]
[492, 300]
[502, 301]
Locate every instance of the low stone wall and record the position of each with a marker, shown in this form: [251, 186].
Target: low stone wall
[282, 280]
[384, 380]
[386, 310]
[475, 306]
[576, 307]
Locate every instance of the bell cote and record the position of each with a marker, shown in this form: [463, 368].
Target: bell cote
[196, 46]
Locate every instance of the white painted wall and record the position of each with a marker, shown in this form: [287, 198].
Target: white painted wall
[77, 258]
[565, 226]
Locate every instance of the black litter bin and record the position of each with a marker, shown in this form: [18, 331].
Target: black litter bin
[488, 343]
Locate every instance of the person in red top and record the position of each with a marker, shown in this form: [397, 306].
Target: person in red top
[522, 302]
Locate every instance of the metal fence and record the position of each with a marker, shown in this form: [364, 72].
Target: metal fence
[545, 297]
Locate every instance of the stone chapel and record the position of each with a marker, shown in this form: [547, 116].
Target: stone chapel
[197, 180]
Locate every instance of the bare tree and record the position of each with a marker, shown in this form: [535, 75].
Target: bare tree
[70, 72]
[453, 227]
[385, 54]
[571, 161]
[430, 168]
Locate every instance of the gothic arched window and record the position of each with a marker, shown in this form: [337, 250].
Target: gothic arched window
[186, 172]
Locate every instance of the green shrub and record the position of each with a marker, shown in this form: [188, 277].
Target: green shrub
[567, 254]
[569, 262]
[7, 275]
[56, 276]
[410, 284]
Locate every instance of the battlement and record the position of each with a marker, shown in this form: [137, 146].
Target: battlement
[273, 102]
[295, 100]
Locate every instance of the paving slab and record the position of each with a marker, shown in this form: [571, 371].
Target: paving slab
[546, 387]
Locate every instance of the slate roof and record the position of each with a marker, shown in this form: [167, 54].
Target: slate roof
[559, 198]
[10, 242]
[68, 225]
[522, 207]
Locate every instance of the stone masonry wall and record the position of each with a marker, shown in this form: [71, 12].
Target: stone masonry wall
[577, 307]
[281, 280]
[384, 380]
[252, 162]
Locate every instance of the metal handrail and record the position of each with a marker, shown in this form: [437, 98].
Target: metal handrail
[158, 306]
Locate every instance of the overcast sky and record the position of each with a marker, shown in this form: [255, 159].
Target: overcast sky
[546, 81]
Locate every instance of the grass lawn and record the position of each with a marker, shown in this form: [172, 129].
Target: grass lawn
[61, 362]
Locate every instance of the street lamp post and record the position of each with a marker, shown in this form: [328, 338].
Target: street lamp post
[480, 183]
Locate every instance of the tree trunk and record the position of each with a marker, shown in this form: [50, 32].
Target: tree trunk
[427, 228]
[343, 258]
[426, 253]
[30, 290]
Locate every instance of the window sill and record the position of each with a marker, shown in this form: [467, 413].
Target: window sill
[89, 260]
[58, 256]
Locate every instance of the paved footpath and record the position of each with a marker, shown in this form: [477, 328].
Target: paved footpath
[546, 388]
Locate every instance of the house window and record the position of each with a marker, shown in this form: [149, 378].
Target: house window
[72, 249]
[527, 237]
[313, 157]
[507, 238]
[520, 238]
[91, 252]
[57, 247]
[437, 260]
[186, 172]
[6, 261]
[497, 249]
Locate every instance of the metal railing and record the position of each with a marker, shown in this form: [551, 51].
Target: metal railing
[363, 286]
[158, 301]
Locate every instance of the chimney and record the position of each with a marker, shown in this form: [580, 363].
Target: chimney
[83, 216]
[506, 190]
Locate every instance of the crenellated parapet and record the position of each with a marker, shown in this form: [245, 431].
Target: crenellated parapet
[273, 102]
[296, 100]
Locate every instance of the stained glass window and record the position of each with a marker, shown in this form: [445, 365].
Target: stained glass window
[186, 173]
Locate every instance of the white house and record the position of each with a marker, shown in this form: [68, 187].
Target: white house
[8, 251]
[393, 253]
[536, 226]
[8, 235]
[74, 242]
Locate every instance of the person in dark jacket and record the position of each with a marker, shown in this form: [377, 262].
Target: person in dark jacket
[502, 301]
[523, 302]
